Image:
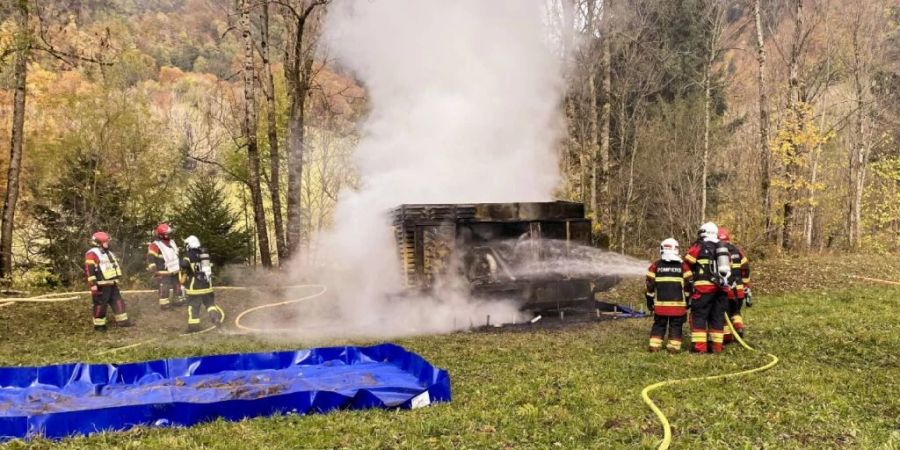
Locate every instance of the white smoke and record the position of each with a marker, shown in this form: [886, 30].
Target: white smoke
[464, 99]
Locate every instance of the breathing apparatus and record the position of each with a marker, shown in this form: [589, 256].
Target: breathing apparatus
[723, 264]
[204, 265]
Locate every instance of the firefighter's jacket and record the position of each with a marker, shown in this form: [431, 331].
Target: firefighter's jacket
[740, 270]
[162, 257]
[196, 277]
[668, 285]
[101, 267]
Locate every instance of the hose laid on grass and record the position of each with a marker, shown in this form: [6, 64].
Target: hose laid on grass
[115, 349]
[75, 295]
[237, 320]
[667, 429]
[877, 280]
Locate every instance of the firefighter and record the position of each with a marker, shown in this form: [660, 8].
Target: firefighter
[668, 285]
[196, 273]
[740, 285]
[163, 262]
[103, 272]
[707, 302]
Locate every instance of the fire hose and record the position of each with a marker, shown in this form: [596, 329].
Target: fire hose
[237, 320]
[75, 295]
[877, 280]
[667, 429]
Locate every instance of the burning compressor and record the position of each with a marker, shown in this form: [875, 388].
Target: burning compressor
[522, 251]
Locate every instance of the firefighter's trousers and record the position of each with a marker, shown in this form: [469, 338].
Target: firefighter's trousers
[169, 286]
[207, 302]
[106, 296]
[658, 332]
[708, 320]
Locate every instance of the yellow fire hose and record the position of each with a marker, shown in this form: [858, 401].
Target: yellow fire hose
[75, 295]
[237, 320]
[667, 429]
[877, 280]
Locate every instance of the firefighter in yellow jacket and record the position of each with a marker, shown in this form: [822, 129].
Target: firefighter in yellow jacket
[103, 272]
[668, 285]
[196, 274]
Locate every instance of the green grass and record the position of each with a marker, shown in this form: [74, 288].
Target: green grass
[836, 387]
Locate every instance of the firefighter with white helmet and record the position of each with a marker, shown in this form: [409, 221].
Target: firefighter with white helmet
[710, 263]
[164, 263]
[196, 274]
[668, 284]
[103, 272]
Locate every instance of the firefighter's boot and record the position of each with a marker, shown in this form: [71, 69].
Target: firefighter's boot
[216, 315]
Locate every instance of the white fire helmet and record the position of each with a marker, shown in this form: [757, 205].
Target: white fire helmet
[668, 250]
[192, 242]
[709, 232]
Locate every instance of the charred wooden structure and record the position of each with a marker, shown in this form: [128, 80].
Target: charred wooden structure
[501, 250]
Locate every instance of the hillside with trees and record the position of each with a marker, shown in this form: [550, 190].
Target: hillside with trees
[779, 119]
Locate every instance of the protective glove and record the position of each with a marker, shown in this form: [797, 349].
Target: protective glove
[649, 303]
[95, 291]
[748, 298]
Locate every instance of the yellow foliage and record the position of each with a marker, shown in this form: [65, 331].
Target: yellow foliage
[795, 141]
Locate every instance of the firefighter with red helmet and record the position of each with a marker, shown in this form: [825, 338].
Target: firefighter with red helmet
[668, 285]
[103, 272]
[164, 263]
[710, 264]
[739, 287]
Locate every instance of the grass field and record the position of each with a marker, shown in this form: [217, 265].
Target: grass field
[838, 384]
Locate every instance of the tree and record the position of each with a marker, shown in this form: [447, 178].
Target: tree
[865, 52]
[249, 130]
[28, 41]
[763, 146]
[272, 124]
[302, 17]
[205, 214]
[23, 51]
[86, 198]
[715, 23]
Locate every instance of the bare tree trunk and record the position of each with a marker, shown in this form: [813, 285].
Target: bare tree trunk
[628, 195]
[811, 200]
[298, 73]
[764, 152]
[859, 154]
[605, 215]
[792, 167]
[593, 141]
[16, 142]
[573, 145]
[622, 146]
[274, 156]
[716, 25]
[249, 129]
[704, 165]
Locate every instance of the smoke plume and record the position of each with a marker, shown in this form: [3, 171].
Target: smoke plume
[464, 107]
[464, 103]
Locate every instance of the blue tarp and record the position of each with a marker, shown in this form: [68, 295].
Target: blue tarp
[68, 399]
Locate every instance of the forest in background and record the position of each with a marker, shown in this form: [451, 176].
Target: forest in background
[778, 119]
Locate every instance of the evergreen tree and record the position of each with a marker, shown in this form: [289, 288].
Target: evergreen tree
[86, 198]
[206, 215]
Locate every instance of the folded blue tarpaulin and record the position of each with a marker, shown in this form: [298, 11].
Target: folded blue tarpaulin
[68, 399]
